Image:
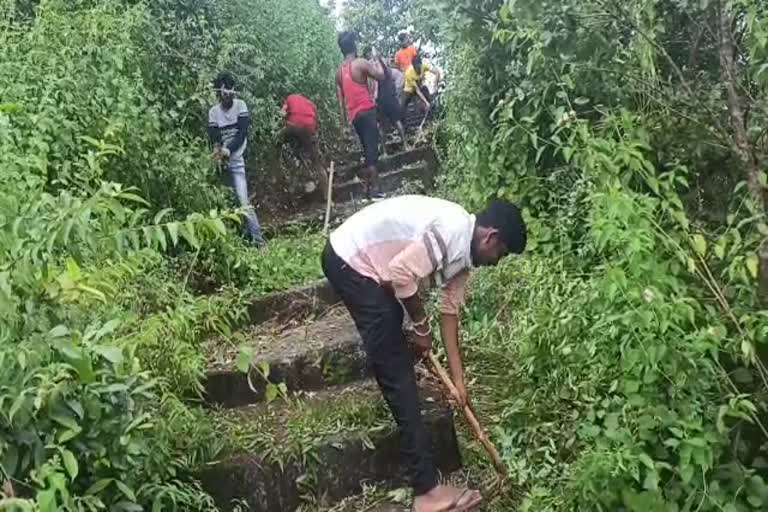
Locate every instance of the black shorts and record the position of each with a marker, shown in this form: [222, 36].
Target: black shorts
[368, 131]
[389, 108]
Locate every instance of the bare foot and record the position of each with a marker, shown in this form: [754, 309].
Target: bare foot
[444, 498]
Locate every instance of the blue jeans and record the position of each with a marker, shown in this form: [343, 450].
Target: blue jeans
[236, 177]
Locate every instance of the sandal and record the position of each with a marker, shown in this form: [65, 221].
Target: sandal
[464, 502]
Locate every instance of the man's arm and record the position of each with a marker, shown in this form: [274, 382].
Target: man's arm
[449, 331]
[453, 297]
[214, 134]
[340, 98]
[406, 269]
[373, 71]
[242, 133]
[421, 96]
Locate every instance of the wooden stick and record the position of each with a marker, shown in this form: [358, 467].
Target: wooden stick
[328, 201]
[501, 469]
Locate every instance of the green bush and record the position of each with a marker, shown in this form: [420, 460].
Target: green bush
[104, 168]
[634, 330]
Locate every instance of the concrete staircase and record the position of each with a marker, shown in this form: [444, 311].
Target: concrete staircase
[332, 433]
[411, 171]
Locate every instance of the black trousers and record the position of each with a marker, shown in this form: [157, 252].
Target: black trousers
[368, 131]
[379, 319]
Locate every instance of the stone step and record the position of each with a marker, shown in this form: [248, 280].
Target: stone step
[386, 182]
[320, 448]
[295, 304]
[309, 357]
[393, 146]
[395, 161]
[313, 218]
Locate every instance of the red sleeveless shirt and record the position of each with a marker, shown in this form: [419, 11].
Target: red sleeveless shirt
[356, 95]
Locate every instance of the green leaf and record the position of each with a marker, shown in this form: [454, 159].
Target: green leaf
[70, 463]
[133, 197]
[244, 359]
[46, 500]
[219, 226]
[270, 392]
[651, 481]
[109, 352]
[99, 486]
[58, 332]
[646, 460]
[700, 244]
[686, 473]
[173, 232]
[161, 215]
[188, 233]
[66, 421]
[159, 236]
[98, 294]
[752, 265]
[73, 269]
[68, 435]
[127, 491]
[720, 248]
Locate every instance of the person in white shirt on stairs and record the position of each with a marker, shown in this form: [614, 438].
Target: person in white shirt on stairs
[374, 262]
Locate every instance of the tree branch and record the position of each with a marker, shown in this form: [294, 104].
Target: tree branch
[740, 140]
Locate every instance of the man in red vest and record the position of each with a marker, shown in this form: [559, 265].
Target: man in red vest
[352, 91]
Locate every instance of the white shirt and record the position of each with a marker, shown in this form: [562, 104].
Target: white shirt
[226, 122]
[405, 239]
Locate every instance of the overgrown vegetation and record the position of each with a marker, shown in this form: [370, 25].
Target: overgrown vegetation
[621, 358]
[113, 233]
[621, 362]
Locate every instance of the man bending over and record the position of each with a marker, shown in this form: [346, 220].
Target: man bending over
[374, 262]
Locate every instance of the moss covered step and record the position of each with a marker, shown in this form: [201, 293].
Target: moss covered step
[319, 448]
[308, 357]
[386, 182]
[394, 145]
[313, 218]
[392, 162]
[294, 304]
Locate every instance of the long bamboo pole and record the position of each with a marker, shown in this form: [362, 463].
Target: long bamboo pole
[328, 201]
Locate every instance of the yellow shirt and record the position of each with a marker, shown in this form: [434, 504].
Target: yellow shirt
[412, 79]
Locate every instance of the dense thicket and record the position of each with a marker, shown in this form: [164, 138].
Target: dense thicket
[633, 134]
[620, 363]
[109, 213]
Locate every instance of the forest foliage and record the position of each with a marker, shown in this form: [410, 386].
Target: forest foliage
[633, 133]
[621, 362]
[114, 231]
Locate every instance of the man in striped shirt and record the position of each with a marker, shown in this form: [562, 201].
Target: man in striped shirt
[375, 261]
[228, 130]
